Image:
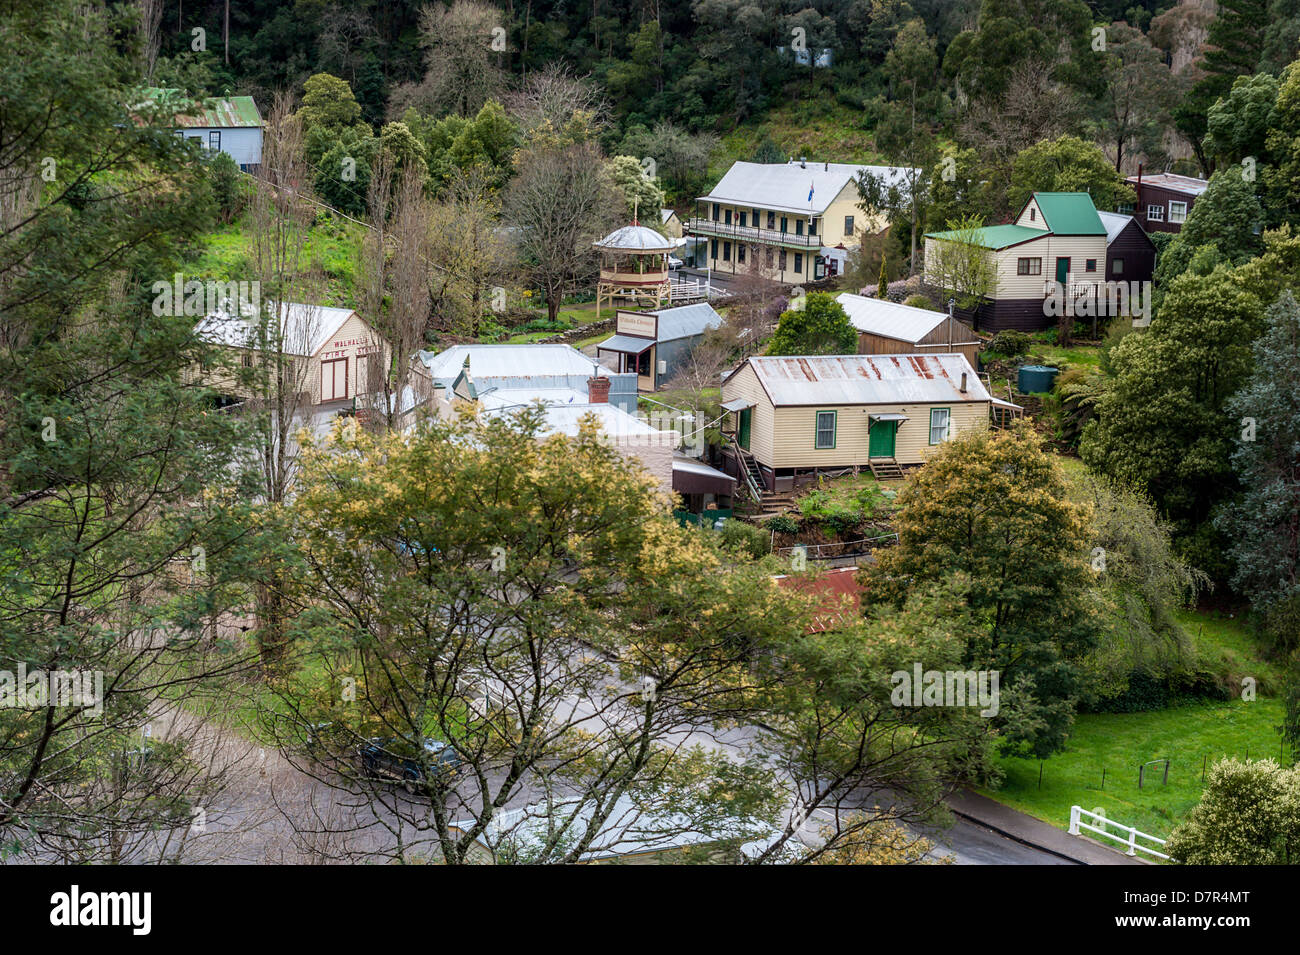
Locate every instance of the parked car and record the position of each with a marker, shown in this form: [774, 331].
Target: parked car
[674, 262]
[394, 759]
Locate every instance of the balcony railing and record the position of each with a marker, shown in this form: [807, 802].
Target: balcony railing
[1076, 290]
[740, 233]
[650, 277]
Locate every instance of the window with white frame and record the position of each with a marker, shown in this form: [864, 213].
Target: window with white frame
[1155, 213]
[940, 425]
[825, 437]
[1177, 212]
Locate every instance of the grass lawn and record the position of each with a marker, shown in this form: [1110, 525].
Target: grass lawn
[331, 249]
[576, 316]
[1075, 355]
[1190, 735]
[1120, 742]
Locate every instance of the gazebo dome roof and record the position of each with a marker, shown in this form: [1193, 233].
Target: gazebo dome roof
[635, 238]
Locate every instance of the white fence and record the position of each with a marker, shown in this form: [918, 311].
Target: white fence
[1127, 836]
[693, 289]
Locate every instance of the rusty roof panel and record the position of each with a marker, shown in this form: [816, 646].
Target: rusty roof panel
[868, 379]
[219, 112]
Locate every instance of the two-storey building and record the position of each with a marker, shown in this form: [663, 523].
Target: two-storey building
[792, 222]
[1164, 200]
[1058, 256]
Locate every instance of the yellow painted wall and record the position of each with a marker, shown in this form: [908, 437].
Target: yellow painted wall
[784, 437]
[830, 232]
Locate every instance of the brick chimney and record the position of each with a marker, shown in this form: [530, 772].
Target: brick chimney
[598, 390]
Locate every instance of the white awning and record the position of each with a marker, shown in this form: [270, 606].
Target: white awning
[887, 417]
[737, 404]
[1005, 404]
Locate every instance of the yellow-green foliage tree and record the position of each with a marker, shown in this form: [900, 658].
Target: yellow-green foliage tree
[529, 602]
[995, 509]
[1249, 814]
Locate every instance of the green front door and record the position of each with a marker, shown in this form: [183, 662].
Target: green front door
[881, 444]
[746, 418]
[1063, 269]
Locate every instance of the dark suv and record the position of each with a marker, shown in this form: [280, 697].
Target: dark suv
[396, 760]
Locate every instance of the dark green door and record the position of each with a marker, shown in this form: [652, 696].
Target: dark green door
[1062, 270]
[746, 418]
[881, 444]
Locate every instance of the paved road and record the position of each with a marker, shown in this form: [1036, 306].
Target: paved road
[972, 844]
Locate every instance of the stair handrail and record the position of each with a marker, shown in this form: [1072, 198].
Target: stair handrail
[744, 456]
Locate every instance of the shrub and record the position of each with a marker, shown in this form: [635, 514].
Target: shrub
[1009, 343]
[738, 535]
[782, 524]
[919, 301]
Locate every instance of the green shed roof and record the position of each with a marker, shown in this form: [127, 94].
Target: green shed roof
[218, 112]
[995, 236]
[1069, 213]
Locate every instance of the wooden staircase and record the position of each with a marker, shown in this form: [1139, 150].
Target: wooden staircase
[752, 469]
[885, 469]
[772, 503]
[761, 502]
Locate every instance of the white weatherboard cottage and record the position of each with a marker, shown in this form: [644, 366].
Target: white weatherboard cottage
[337, 344]
[228, 124]
[799, 414]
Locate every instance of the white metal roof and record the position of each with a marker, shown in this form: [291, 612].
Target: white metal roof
[785, 186]
[635, 238]
[879, 316]
[1114, 223]
[686, 321]
[509, 361]
[499, 398]
[1168, 180]
[305, 329]
[866, 379]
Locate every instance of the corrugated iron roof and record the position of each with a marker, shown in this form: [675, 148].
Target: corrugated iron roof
[867, 379]
[686, 321]
[1189, 185]
[785, 186]
[635, 238]
[218, 112]
[880, 316]
[510, 361]
[993, 236]
[1069, 213]
[1114, 223]
[305, 329]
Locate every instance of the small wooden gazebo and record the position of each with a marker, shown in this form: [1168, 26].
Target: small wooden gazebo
[634, 268]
